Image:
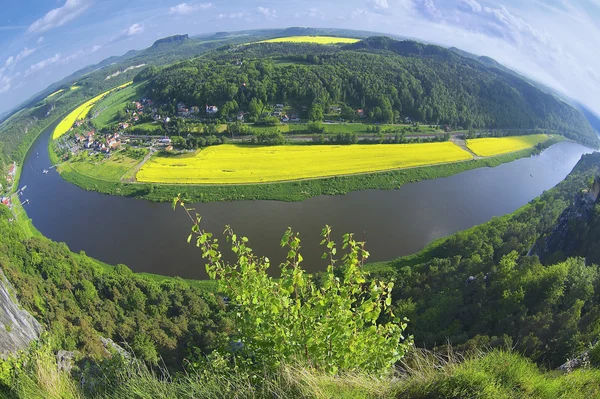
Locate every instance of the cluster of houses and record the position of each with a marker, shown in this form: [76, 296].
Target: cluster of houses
[6, 201]
[12, 171]
[184, 111]
[279, 113]
[111, 142]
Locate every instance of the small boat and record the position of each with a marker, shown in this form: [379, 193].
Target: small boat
[45, 171]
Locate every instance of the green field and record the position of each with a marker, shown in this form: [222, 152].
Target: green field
[110, 106]
[98, 167]
[153, 128]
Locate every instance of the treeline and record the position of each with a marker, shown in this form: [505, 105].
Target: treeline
[479, 288]
[438, 88]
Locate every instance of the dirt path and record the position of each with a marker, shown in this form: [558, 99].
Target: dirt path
[463, 144]
[137, 168]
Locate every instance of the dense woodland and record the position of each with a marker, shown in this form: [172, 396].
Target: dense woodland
[80, 299]
[390, 80]
[478, 288]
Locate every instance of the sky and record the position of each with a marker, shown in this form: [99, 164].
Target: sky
[553, 41]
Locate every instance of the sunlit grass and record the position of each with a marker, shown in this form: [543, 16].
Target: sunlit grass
[231, 164]
[491, 146]
[80, 112]
[311, 39]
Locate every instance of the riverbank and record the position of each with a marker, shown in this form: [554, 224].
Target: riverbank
[287, 191]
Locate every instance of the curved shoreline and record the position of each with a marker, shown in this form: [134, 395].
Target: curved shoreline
[288, 191]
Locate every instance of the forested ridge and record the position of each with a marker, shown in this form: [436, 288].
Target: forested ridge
[390, 79]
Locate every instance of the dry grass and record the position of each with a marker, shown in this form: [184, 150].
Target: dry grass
[233, 164]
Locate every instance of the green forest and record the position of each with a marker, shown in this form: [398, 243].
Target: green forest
[390, 80]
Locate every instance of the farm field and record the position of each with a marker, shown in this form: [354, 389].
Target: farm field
[110, 105]
[233, 164]
[491, 146]
[311, 39]
[81, 112]
[55, 93]
[98, 167]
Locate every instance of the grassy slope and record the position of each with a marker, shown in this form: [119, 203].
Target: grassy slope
[113, 103]
[495, 375]
[289, 191]
[99, 167]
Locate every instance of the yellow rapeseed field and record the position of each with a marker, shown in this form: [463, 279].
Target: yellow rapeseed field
[488, 147]
[80, 112]
[231, 164]
[312, 39]
[55, 93]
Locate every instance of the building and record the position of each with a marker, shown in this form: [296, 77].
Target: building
[360, 113]
[335, 108]
[211, 109]
[240, 116]
[285, 118]
[279, 106]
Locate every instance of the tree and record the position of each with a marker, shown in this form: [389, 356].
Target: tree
[255, 108]
[315, 114]
[345, 324]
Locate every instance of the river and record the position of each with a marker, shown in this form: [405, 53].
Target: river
[151, 237]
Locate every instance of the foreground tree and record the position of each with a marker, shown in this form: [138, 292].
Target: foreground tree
[345, 323]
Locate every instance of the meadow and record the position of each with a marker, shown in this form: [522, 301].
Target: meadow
[234, 164]
[81, 112]
[109, 106]
[311, 39]
[98, 167]
[490, 146]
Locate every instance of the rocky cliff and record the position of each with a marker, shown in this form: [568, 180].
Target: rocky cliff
[17, 327]
[576, 232]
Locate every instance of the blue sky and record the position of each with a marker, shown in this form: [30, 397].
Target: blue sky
[553, 41]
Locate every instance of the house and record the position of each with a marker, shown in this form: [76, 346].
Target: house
[166, 141]
[138, 105]
[169, 148]
[211, 109]
[183, 112]
[277, 113]
[78, 123]
[124, 125]
[407, 120]
[180, 106]
[5, 201]
[360, 113]
[285, 118]
[335, 108]
[279, 106]
[194, 110]
[135, 118]
[240, 116]
[294, 118]
[167, 119]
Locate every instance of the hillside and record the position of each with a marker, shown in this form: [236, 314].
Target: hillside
[391, 80]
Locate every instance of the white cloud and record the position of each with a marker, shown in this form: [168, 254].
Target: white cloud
[233, 15]
[40, 40]
[59, 16]
[473, 5]
[26, 52]
[134, 29]
[379, 5]
[95, 48]
[185, 8]
[39, 66]
[268, 13]
[310, 13]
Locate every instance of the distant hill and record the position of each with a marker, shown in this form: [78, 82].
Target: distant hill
[171, 40]
[390, 79]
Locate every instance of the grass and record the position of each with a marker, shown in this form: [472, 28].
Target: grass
[81, 112]
[99, 167]
[234, 164]
[311, 39]
[499, 374]
[491, 146]
[55, 93]
[148, 126]
[74, 87]
[110, 106]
